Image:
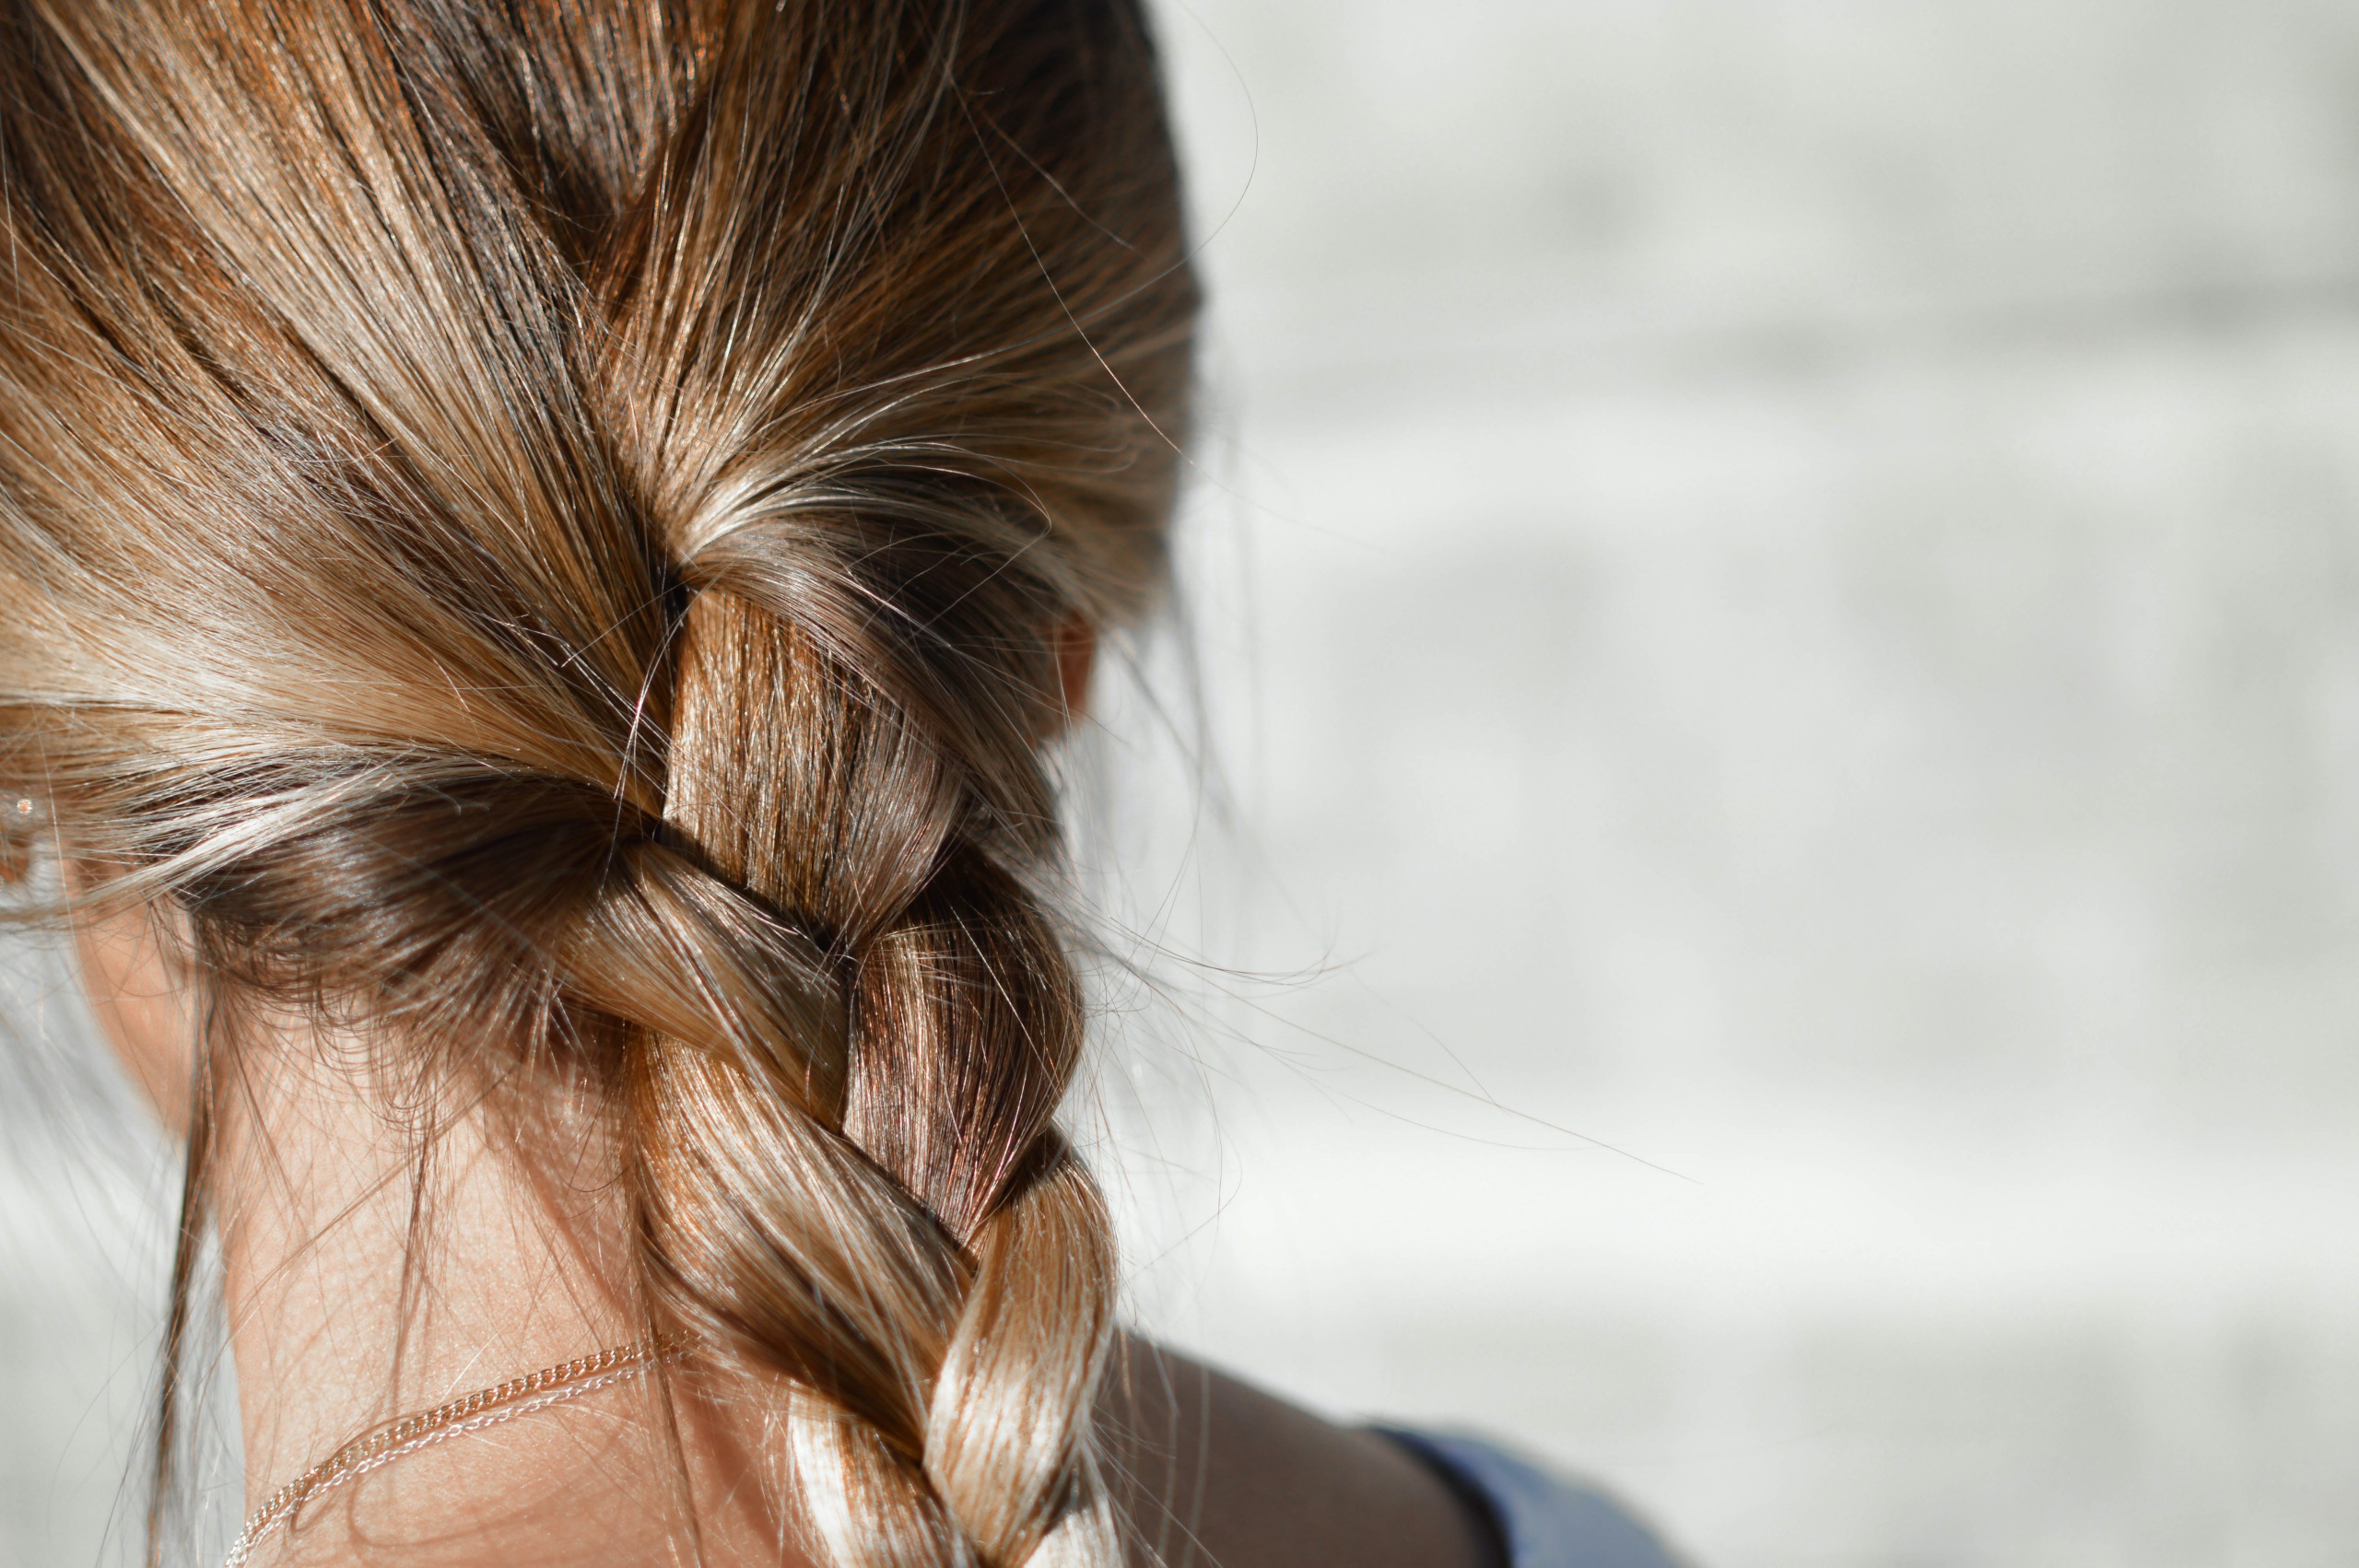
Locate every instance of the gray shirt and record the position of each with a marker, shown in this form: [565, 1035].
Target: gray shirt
[1543, 1520]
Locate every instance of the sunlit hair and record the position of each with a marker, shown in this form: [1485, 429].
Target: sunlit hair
[541, 530]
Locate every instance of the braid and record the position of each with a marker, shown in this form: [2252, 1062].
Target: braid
[579, 571]
[946, 1279]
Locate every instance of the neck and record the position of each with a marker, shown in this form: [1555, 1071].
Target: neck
[372, 1273]
[364, 1282]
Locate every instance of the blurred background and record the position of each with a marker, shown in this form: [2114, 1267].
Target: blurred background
[1766, 901]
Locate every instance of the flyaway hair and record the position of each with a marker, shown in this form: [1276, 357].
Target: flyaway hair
[541, 530]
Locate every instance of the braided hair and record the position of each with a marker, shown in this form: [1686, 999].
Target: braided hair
[543, 530]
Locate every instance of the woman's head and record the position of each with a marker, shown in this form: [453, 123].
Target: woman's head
[551, 537]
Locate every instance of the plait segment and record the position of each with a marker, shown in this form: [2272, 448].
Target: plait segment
[1007, 1448]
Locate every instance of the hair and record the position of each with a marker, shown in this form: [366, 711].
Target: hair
[541, 530]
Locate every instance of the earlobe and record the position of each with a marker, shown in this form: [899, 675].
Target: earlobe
[1076, 650]
[133, 973]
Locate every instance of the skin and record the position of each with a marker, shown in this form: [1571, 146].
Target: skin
[524, 1263]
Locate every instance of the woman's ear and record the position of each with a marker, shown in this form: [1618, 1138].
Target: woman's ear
[134, 970]
[1076, 646]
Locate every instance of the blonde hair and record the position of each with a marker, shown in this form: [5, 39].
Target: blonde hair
[543, 529]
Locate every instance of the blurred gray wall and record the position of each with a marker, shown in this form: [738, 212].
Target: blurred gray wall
[1780, 586]
[1777, 590]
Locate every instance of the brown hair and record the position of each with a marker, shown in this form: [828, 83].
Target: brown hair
[541, 530]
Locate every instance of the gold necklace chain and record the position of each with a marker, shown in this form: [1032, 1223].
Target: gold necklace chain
[469, 1412]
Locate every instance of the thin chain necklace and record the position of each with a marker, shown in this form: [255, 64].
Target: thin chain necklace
[470, 1412]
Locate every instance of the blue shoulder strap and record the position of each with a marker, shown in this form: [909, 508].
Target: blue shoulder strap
[1545, 1521]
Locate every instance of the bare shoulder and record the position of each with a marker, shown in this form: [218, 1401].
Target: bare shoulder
[1215, 1473]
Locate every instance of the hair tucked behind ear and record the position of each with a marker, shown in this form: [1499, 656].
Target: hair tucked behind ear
[544, 528]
